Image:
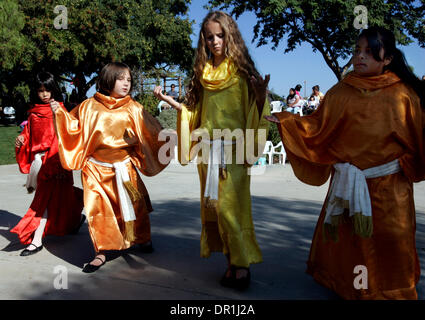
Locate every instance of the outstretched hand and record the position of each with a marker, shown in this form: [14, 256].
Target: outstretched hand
[157, 92]
[272, 119]
[159, 95]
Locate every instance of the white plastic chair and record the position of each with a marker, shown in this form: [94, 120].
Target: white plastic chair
[280, 152]
[268, 150]
[276, 106]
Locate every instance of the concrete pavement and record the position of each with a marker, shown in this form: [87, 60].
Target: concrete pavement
[285, 212]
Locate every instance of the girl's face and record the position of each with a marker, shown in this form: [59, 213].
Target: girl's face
[122, 85]
[291, 92]
[363, 61]
[214, 36]
[44, 95]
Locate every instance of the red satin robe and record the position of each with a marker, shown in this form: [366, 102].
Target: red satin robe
[55, 191]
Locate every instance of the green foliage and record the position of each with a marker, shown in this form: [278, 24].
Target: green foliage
[12, 40]
[275, 97]
[168, 119]
[149, 102]
[327, 25]
[273, 133]
[7, 144]
[142, 34]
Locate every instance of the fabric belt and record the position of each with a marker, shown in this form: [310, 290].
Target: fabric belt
[216, 162]
[349, 190]
[121, 177]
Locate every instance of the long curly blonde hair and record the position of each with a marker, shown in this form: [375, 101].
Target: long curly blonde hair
[235, 49]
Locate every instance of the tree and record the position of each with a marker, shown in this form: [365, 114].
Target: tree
[328, 25]
[139, 33]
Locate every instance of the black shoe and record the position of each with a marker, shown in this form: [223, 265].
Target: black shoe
[226, 281]
[27, 252]
[242, 283]
[146, 247]
[90, 268]
[75, 231]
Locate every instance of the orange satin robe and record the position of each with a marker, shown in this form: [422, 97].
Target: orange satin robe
[366, 122]
[111, 130]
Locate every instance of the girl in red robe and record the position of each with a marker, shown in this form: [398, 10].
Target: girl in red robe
[57, 205]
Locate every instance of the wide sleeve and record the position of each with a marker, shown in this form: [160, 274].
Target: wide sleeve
[412, 136]
[73, 137]
[147, 131]
[256, 126]
[307, 140]
[23, 154]
[188, 120]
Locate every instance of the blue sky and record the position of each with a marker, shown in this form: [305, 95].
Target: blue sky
[297, 67]
[302, 64]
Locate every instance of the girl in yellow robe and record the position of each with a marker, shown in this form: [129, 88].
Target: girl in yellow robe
[369, 129]
[107, 137]
[226, 92]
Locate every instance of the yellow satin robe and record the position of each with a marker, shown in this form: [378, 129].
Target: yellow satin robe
[226, 103]
[365, 121]
[111, 130]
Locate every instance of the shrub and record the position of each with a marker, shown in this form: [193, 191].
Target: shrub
[273, 133]
[168, 119]
[149, 102]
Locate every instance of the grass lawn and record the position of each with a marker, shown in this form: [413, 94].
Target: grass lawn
[7, 143]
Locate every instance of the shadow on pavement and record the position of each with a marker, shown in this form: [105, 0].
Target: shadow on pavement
[284, 230]
[7, 221]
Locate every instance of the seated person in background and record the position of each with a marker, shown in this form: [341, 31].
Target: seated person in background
[313, 103]
[317, 94]
[173, 93]
[293, 102]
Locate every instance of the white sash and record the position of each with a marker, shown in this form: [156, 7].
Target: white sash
[216, 161]
[121, 176]
[349, 188]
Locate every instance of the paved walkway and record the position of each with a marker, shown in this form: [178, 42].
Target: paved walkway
[285, 212]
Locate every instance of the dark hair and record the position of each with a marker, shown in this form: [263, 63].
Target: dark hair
[378, 38]
[290, 96]
[46, 80]
[173, 85]
[109, 75]
[316, 87]
[298, 87]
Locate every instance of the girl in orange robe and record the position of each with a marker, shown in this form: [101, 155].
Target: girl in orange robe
[107, 137]
[57, 205]
[373, 118]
